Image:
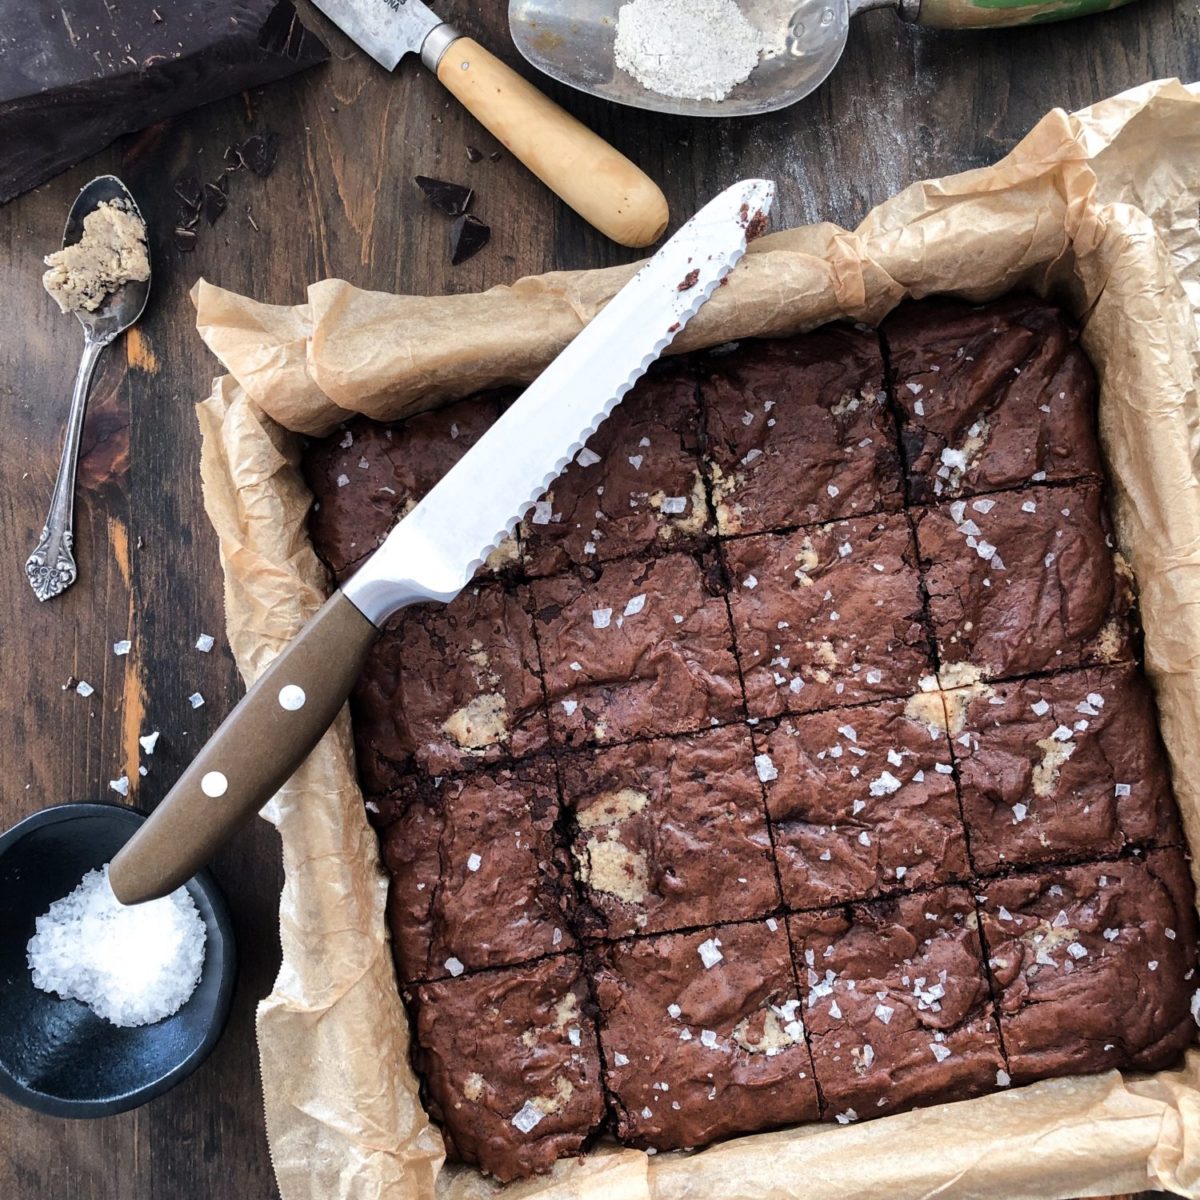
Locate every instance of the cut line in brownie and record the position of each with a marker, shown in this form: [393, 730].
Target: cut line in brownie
[450, 687]
[798, 431]
[897, 1003]
[1094, 965]
[991, 396]
[510, 1064]
[862, 802]
[658, 822]
[828, 616]
[702, 1035]
[636, 648]
[1061, 767]
[635, 486]
[1023, 582]
[478, 878]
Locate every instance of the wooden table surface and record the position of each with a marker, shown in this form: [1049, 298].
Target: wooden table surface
[904, 104]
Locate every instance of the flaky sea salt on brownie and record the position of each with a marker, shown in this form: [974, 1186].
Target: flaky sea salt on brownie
[670, 833]
[798, 431]
[636, 484]
[1064, 766]
[1025, 581]
[702, 1035]
[1094, 965]
[862, 802]
[365, 476]
[448, 687]
[828, 616]
[477, 877]
[636, 648]
[991, 396]
[510, 1064]
[897, 1003]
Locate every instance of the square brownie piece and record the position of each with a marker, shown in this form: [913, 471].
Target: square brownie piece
[478, 878]
[862, 802]
[897, 1003]
[828, 616]
[449, 687]
[702, 1035]
[1061, 767]
[1025, 581]
[656, 823]
[798, 431]
[366, 476]
[511, 1065]
[635, 486]
[634, 649]
[991, 396]
[1094, 965]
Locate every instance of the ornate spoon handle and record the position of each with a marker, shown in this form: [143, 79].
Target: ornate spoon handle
[51, 567]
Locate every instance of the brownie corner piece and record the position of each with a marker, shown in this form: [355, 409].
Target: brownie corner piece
[1095, 965]
[702, 1035]
[798, 430]
[897, 1003]
[511, 1065]
[991, 396]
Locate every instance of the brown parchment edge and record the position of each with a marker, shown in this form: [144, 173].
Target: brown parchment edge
[1082, 210]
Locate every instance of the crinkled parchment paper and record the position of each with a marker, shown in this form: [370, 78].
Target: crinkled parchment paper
[1097, 209]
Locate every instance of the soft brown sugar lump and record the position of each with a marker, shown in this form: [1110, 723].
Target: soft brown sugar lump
[635, 486]
[658, 823]
[1024, 581]
[1061, 767]
[1095, 965]
[636, 648]
[702, 1035]
[862, 802]
[477, 877]
[511, 1065]
[897, 1004]
[449, 687]
[991, 396]
[798, 430]
[828, 616]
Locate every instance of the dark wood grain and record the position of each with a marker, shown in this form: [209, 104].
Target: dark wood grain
[904, 104]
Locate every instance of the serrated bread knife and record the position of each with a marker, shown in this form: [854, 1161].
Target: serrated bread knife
[435, 550]
[597, 181]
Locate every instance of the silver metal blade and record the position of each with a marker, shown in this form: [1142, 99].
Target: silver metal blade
[435, 550]
[386, 29]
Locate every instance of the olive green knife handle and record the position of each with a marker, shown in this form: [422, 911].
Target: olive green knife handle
[993, 14]
[256, 749]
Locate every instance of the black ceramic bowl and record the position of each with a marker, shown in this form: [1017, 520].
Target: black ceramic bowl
[57, 1056]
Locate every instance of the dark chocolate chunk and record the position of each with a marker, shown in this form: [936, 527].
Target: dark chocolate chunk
[215, 201]
[467, 238]
[474, 154]
[232, 158]
[260, 153]
[451, 198]
[187, 188]
[185, 239]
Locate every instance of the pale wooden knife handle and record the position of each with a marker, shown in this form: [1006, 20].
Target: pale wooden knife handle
[597, 181]
[254, 752]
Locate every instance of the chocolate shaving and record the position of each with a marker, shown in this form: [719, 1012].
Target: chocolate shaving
[451, 198]
[215, 200]
[474, 154]
[467, 238]
[495, 156]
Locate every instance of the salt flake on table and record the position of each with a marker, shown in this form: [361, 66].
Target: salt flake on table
[149, 741]
[120, 649]
[84, 688]
[196, 700]
[120, 786]
[205, 642]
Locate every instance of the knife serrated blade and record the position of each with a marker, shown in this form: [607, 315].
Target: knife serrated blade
[438, 546]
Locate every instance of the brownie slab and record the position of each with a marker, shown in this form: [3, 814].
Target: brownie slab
[477, 879]
[897, 1004]
[862, 802]
[1025, 581]
[636, 485]
[634, 649]
[510, 1064]
[1066, 766]
[798, 431]
[658, 823]
[991, 396]
[449, 687]
[702, 1035]
[1094, 965]
[828, 616]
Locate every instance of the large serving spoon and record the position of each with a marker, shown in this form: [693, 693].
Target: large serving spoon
[51, 567]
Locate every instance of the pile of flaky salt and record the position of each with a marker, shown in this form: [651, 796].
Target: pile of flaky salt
[131, 965]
